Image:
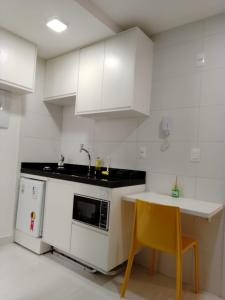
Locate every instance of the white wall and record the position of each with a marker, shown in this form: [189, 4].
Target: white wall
[9, 146]
[33, 135]
[194, 98]
[41, 124]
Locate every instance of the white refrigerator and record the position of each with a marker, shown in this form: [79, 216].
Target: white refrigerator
[30, 207]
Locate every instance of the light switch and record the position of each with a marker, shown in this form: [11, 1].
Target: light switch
[195, 154]
[142, 152]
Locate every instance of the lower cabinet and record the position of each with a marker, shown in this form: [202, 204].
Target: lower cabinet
[90, 246]
[58, 214]
[102, 250]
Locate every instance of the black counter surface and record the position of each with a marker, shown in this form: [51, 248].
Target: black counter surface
[79, 173]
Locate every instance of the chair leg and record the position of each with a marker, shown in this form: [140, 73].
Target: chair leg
[196, 272]
[128, 270]
[178, 277]
[152, 262]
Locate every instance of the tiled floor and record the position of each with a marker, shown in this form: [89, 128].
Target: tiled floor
[26, 276]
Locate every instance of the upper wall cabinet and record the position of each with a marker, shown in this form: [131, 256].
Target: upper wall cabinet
[90, 78]
[117, 78]
[61, 78]
[17, 63]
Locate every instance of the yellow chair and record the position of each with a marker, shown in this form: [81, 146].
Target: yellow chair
[159, 227]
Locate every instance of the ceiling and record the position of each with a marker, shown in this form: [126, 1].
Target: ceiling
[27, 18]
[92, 20]
[154, 16]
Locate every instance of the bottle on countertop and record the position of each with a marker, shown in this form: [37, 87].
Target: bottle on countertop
[108, 162]
[98, 165]
[175, 192]
[61, 162]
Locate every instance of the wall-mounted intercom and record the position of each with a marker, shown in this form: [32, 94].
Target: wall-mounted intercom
[165, 131]
[166, 126]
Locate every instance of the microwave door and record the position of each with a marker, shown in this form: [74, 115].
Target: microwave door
[86, 210]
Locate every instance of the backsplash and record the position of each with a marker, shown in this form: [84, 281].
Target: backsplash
[193, 97]
[114, 138]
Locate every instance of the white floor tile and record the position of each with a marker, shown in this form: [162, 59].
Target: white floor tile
[26, 276]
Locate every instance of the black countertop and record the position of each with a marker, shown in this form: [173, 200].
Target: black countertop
[79, 173]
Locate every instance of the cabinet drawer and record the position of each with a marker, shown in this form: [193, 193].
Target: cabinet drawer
[90, 246]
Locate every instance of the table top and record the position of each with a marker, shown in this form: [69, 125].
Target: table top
[203, 209]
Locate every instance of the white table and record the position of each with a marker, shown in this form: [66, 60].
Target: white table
[188, 206]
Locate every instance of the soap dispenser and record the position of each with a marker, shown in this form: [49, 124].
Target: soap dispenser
[175, 192]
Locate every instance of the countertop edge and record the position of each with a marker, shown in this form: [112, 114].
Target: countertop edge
[96, 182]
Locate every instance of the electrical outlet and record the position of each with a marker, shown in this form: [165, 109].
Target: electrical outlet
[142, 152]
[195, 155]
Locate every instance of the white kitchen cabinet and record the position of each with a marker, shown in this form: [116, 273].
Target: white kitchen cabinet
[96, 254]
[90, 79]
[17, 63]
[101, 249]
[58, 214]
[124, 88]
[105, 250]
[119, 71]
[61, 78]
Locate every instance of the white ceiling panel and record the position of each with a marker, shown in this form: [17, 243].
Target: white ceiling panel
[28, 18]
[154, 16]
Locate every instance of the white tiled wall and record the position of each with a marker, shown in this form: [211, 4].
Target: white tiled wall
[194, 98]
[33, 135]
[9, 147]
[41, 124]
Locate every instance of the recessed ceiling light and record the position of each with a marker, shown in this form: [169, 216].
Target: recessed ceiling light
[56, 25]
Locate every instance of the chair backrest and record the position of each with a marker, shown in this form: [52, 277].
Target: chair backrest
[158, 226]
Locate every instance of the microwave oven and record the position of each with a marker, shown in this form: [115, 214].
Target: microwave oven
[91, 211]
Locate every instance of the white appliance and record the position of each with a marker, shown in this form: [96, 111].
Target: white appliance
[30, 206]
[30, 215]
[91, 211]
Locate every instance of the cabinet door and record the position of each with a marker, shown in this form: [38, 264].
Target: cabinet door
[62, 76]
[58, 214]
[90, 78]
[119, 65]
[17, 61]
[96, 254]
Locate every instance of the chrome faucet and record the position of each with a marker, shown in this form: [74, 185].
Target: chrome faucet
[89, 157]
